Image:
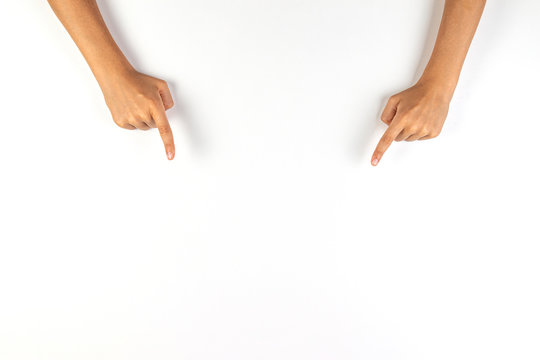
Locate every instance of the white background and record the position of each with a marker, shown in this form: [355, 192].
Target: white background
[270, 236]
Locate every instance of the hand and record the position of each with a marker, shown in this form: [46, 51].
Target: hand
[139, 101]
[417, 113]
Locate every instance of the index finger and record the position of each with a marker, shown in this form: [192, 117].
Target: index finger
[164, 128]
[386, 140]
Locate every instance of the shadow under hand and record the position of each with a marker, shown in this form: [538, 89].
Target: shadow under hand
[181, 111]
[364, 142]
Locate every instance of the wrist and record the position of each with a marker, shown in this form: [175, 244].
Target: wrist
[441, 88]
[113, 72]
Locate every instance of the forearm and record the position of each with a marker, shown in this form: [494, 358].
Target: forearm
[136, 100]
[84, 23]
[458, 26]
[419, 113]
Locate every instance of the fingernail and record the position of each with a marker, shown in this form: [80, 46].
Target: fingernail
[170, 155]
[374, 161]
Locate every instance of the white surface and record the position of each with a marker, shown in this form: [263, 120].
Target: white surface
[270, 236]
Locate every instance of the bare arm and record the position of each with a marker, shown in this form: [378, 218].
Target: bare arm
[136, 100]
[419, 112]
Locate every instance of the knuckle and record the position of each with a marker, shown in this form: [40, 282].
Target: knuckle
[413, 129]
[405, 117]
[141, 115]
[132, 120]
[146, 99]
[153, 103]
[141, 95]
[121, 122]
[163, 129]
[126, 126]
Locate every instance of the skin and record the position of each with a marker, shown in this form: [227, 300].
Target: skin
[139, 101]
[419, 112]
[136, 100]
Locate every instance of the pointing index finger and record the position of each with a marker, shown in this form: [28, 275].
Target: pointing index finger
[164, 128]
[386, 140]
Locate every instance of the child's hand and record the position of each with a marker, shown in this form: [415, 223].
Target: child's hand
[139, 101]
[417, 113]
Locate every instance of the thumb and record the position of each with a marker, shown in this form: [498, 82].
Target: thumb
[390, 110]
[166, 96]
